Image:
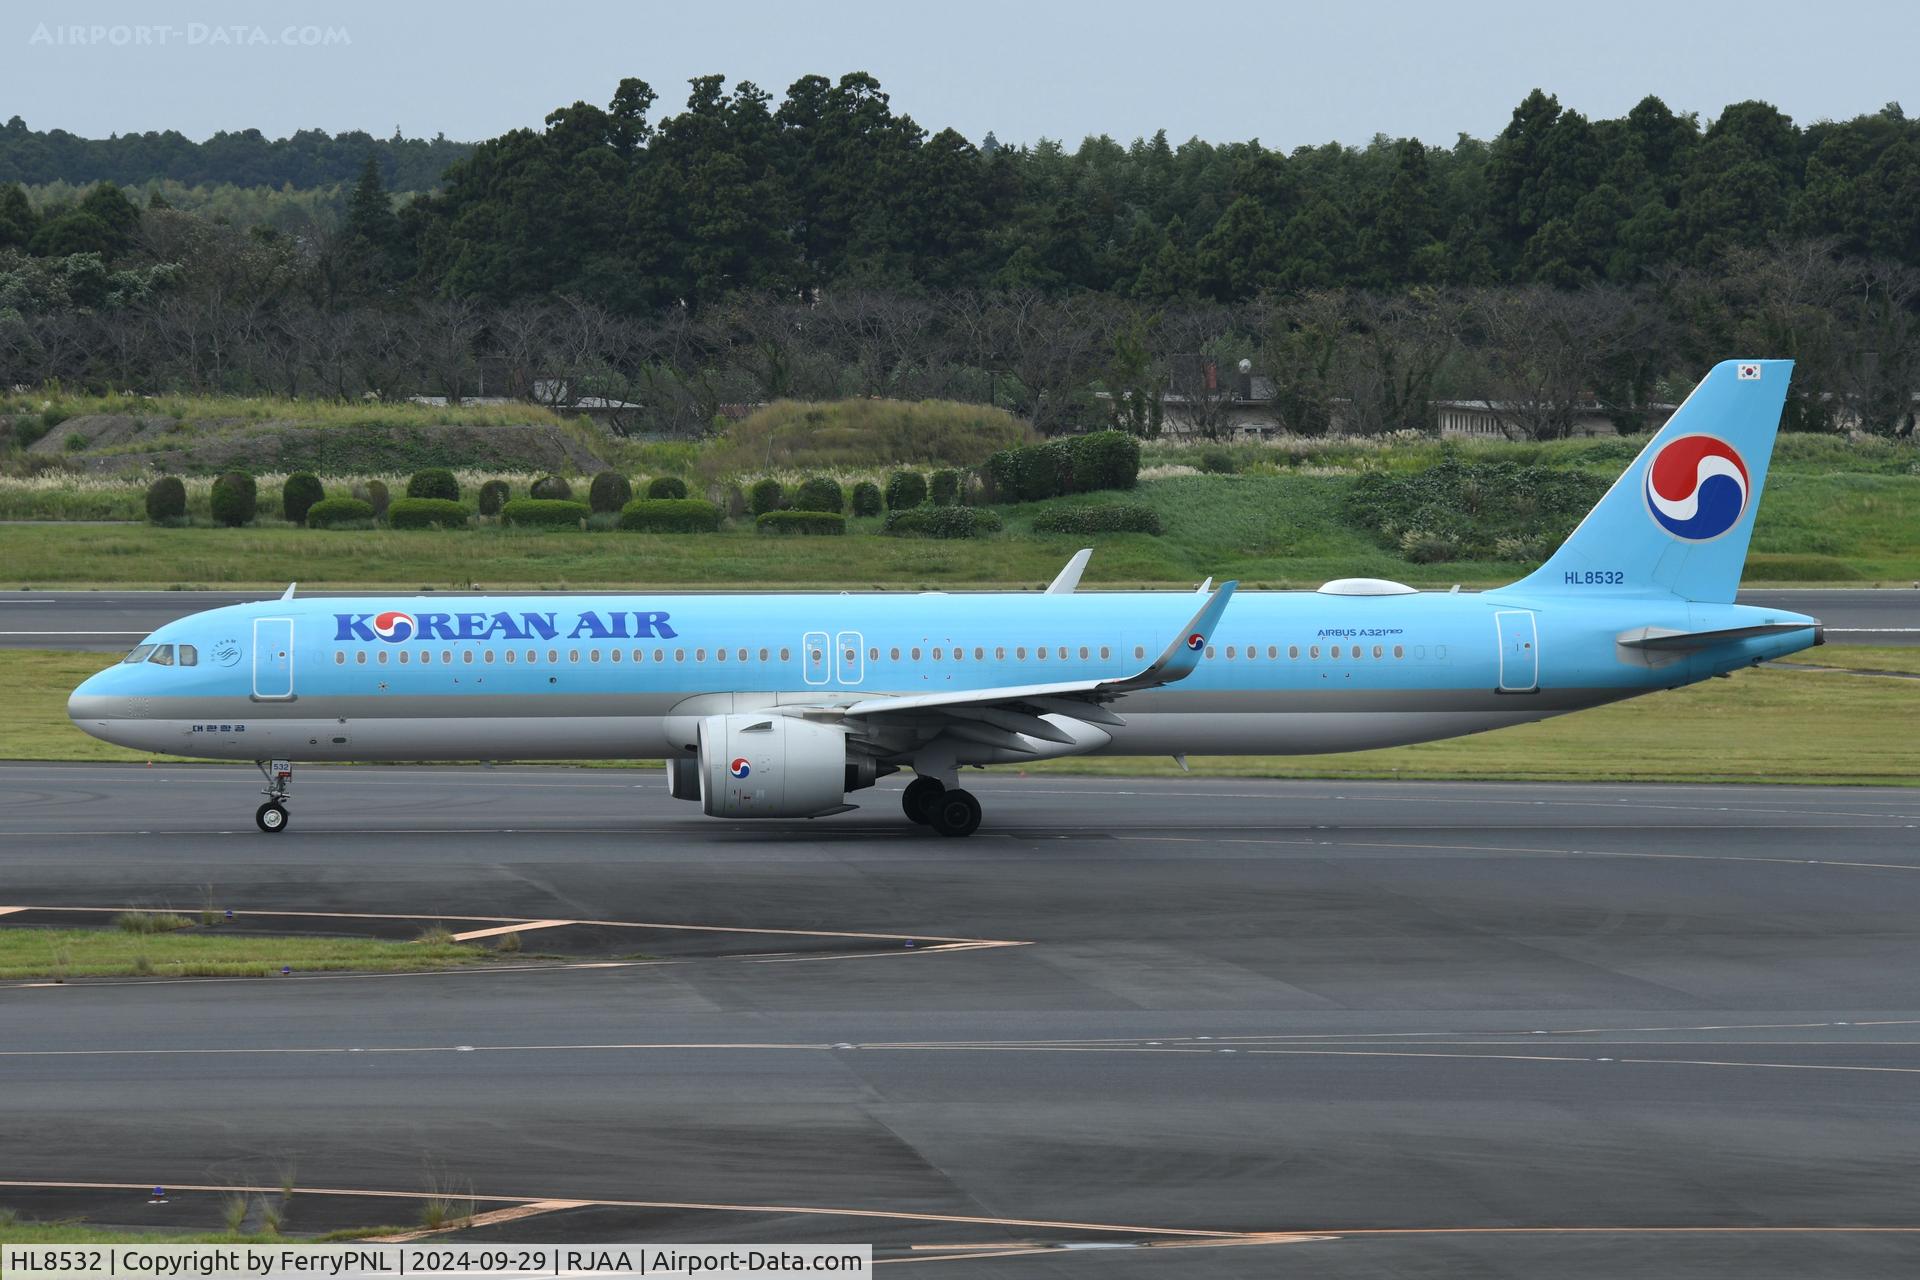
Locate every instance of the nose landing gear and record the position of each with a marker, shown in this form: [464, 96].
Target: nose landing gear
[271, 817]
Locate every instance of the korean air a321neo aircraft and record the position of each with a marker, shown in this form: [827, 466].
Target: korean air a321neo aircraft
[781, 706]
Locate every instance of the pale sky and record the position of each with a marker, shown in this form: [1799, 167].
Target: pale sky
[1288, 74]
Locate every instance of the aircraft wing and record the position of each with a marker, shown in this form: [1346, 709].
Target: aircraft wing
[1016, 709]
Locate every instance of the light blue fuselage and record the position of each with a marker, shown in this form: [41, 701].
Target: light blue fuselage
[620, 676]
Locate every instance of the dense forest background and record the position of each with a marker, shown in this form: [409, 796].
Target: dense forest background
[743, 249]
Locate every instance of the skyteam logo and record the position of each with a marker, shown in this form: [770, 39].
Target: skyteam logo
[1697, 487]
[394, 627]
[740, 768]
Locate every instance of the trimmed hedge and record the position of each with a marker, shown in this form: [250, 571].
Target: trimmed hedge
[433, 482]
[670, 515]
[329, 513]
[427, 513]
[544, 513]
[1112, 517]
[610, 492]
[820, 493]
[906, 490]
[764, 496]
[942, 522]
[298, 494]
[167, 500]
[235, 498]
[866, 499]
[1077, 464]
[666, 488]
[943, 488]
[493, 496]
[797, 521]
[551, 489]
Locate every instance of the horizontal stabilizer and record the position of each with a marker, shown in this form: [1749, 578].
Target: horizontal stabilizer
[1667, 639]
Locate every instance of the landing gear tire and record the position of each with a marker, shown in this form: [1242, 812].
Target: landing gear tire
[271, 818]
[956, 813]
[919, 799]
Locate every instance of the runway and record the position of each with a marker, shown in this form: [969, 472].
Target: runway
[1210, 1029]
[108, 621]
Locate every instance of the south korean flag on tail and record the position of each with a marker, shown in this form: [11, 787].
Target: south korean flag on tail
[1749, 373]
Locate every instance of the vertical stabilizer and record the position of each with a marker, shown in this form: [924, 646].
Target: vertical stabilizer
[1680, 516]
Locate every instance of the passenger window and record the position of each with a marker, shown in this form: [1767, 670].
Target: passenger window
[679, 655]
[613, 655]
[426, 657]
[486, 657]
[1021, 653]
[959, 654]
[916, 655]
[1399, 651]
[1063, 653]
[1103, 652]
[999, 653]
[742, 655]
[720, 655]
[339, 658]
[360, 658]
[851, 656]
[466, 656]
[446, 657]
[1209, 651]
[1231, 651]
[1314, 651]
[763, 655]
[138, 653]
[936, 655]
[189, 656]
[1293, 652]
[1440, 651]
[660, 655]
[593, 655]
[162, 655]
[406, 658]
[1139, 651]
[786, 654]
[1273, 651]
[979, 654]
[893, 655]
[1378, 651]
[1041, 653]
[381, 658]
[573, 655]
[511, 656]
[1356, 651]
[1333, 651]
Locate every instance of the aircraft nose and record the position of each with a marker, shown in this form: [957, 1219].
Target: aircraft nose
[90, 701]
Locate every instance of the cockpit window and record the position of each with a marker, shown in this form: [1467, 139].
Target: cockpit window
[189, 656]
[162, 655]
[139, 654]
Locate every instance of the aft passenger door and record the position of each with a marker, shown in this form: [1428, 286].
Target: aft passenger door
[1519, 651]
[273, 659]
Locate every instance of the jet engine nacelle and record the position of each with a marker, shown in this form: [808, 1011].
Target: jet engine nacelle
[771, 766]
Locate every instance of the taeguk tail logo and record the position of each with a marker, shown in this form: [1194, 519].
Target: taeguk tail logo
[394, 627]
[740, 768]
[1196, 641]
[1697, 487]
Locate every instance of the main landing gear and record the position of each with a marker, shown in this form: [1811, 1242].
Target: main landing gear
[271, 817]
[950, 811]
